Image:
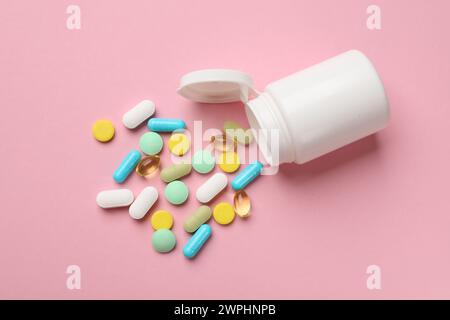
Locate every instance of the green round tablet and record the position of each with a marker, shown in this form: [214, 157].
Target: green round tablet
[176, 192]
[163, 240]
[151, 143]
[203, 161]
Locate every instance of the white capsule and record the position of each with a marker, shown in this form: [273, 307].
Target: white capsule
[211, 187]
[141, 112]
[114, 198]
[144, 201]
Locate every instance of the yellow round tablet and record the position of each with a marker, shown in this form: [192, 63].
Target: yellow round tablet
[229, 162]
[179, 144]
[103, 130]
[223, 213]
[161, 219]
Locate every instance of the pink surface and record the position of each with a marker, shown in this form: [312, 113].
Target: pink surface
[315, 228]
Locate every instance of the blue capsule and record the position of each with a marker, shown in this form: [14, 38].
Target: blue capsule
[247, 175]
[165, 125]
[126, 166]
[195, 243]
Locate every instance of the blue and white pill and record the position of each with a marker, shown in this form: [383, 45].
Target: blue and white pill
[165, 125]
[196, 242]
[126, 166]
[247, 175]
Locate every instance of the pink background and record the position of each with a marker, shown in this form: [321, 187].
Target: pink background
[315, 228]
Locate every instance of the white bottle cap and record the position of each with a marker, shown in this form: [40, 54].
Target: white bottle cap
[216, 86]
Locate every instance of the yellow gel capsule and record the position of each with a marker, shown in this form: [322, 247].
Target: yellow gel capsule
[161, 219]
[241, 204]
[222, 143]
[179, 144]
[229, 162]
[148, 165]
[223, 213]
[236, 132]
[103, 130]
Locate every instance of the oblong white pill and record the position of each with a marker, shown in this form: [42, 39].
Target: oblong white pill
[115, 198]
[144, 201]
[211, 187]
[141, 112]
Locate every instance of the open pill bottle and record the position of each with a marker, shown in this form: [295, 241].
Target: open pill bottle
[313, 111]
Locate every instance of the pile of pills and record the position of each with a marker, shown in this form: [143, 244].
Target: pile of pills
[176, 191]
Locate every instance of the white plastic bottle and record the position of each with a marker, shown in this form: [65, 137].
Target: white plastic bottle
[314, 111]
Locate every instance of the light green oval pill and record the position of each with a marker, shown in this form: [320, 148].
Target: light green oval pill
[175, 172]
[176, 192]
[163, 240]
[199, 217]
[151, 143]
[235, 131]
[203, 161]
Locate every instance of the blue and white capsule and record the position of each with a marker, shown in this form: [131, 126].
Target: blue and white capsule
[126, 166]
[247, 175]
[196, 242]
[165, 125]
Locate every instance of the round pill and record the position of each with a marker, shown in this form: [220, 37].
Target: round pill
[163, 240]
[161, 219]
[151, 143]
[203, 161]
[223, 213]
[229, 162]
[103, 130]
[176, 192]
[179, 144]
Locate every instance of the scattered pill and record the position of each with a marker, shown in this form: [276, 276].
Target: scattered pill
[103, 130]
[241, 204]
[247, 175]
[163, 240]
[165, 125]
[175, 172]
[144, 201]
[114, 198]
[138, 114]
[199, 217]
[179, 144]
[196, 242]
[222, 143]
[211, 187]
[223, 213]
[229, 162]
[151, 143]
[203, 161]
[161, 219]
[235, 131]
[148, 165]
[126, 166]
[176, 192]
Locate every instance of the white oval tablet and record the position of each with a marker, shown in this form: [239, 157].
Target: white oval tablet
[211, 187]
[141, 112]
[144, 201]
[114, 198]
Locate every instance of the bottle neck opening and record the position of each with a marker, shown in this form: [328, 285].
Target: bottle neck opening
[269, 130]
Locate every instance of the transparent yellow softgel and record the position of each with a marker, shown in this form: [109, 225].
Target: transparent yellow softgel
[103, 130]
[179, 144]
[161, 219]
[229, 162]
